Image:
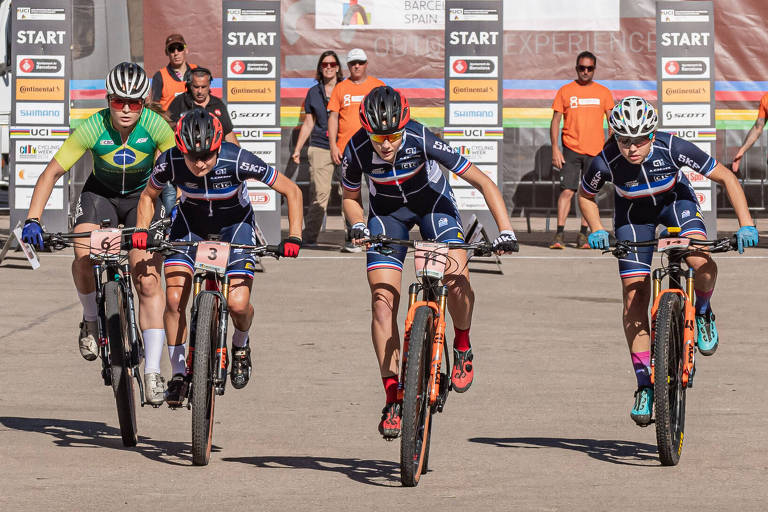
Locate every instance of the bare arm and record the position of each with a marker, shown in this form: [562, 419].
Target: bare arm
[231, 137]
[590, 211]
[607, 117]
[752, 136]
[292, 194]
[554, 135]
[352, 204]
[146, 208]
[304, 131]
[333, 135]
[492, 195]
[43, 188]
[726, 178]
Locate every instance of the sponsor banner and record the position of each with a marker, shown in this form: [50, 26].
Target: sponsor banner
[41, 37]
[257, 133]
[469, 199]
[684, 16]
[262, 199]
[252, 15]
[39, 113]
[39, 132]
[380, 14]
[250, 67]
[492, 171]
[254, 114]
[474, 66]
[562, 15]
[704, 146]
[707, 134]
[36, 151]
[705, 199]
[474, 90]
[686, 115]
[267, 151]
[477, 151]
[685, 91]
[40, 65]
[454, 132]
[250, 90]
[23, 198]
[39, 89]
[465, 14]
[40, 14]
[27, 174]
[473, 113]
[696, 179]
[685, 67]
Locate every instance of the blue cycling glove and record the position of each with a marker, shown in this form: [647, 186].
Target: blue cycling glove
[746, 236]
[33, 233]
[599, 239]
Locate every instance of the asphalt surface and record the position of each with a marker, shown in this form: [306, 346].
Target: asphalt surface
[544, 427]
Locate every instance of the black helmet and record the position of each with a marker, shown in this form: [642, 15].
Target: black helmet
[127, 80]
[384, 110]
[198, 132]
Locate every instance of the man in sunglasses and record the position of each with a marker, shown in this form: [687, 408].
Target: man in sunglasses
[400, 158]
[581, 105]
[645, 167]
[170, 81]
[123, 140]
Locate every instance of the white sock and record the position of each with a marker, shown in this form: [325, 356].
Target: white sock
[90, 308]
[154, 340]
[178, 356]
[239, 338]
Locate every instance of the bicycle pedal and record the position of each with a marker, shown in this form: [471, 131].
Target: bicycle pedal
[219, 390]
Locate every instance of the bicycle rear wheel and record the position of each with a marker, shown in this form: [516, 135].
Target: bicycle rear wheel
[416, 410]
[115, 312]
[202, 395]
[668, 390]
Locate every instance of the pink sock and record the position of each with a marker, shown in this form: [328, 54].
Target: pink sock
[642, 363]
[461, 339]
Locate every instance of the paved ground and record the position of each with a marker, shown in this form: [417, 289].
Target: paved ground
[544, 427]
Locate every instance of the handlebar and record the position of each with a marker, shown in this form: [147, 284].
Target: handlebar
[623, 247]
[61, 240]
[258, 250]
[480, 248]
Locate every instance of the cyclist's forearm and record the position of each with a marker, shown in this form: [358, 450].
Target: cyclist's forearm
[591, 212]
[735, 194]
[146, 208]
[352, 204]
[43, 188]
[495, 202]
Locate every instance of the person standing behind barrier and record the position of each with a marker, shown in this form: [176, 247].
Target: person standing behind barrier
[581, 105]
[344, 113]
[170, 81]
[753, 134]
[315, 128]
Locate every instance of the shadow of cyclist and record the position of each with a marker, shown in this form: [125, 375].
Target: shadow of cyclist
[76, 433]
[627, 453]
[380, 473]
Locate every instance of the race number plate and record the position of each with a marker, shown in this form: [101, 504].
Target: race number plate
[106, 242]
[430, 259]
[212, 256]
[665, 244]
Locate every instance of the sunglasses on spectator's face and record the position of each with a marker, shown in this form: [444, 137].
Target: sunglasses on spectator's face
[134, 105]
[641, 141]
[176, 47]
[327, 65]
[391, 137]
[357, 63]
[586, 68]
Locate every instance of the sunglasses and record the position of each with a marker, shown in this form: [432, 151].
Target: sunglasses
[641, 141]
[586, 68]
[176, 47]
[327, 65]
[357, 63]
[391, 137]
[201, 157]
[134, 105]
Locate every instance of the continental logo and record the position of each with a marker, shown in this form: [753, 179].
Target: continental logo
[38, 89]
[686, 91]
[251, 90]
[474, 90]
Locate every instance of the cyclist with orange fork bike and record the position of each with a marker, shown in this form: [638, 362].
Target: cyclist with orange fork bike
[645, 167]
[400, 159]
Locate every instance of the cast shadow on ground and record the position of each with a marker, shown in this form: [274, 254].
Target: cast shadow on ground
[627, 453]
[381, 473]
[83, 434]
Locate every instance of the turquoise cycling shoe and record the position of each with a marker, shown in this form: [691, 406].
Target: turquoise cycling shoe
[706, 332]
[641, 411]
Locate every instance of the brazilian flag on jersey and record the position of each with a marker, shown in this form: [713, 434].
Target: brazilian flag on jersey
[121, 167]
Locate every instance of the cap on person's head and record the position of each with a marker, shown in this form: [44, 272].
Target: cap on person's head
[357, 54]
[174, 38]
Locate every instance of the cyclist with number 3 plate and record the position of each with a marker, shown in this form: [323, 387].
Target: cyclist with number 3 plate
[400, 158]
[124, 140]
[645, 167]
[211, 175]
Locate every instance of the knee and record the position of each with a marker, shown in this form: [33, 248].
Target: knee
[636, 301]
[173, 301]
[148, 286]
[383, 307]
[238, 304]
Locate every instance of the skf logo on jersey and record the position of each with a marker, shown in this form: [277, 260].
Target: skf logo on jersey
[442, 146]
[689, 162]
[160, 167]
[595, 180]
[245, 166]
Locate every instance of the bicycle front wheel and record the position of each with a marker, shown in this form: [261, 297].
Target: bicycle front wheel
[668, 390]
[115, 311]
[416, 410]
[203, 397]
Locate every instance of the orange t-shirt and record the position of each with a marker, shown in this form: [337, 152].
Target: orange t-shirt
[345, 99]
[583, 108]
[763, 112]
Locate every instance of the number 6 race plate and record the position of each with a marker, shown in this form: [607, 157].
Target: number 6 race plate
[213, 256]
[105, 242]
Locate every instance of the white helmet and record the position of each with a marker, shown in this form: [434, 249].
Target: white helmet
[127, 80]
[632, 117]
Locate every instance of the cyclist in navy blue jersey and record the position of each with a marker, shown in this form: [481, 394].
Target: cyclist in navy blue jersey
[400, 159]
[651, 189]
[211, 175]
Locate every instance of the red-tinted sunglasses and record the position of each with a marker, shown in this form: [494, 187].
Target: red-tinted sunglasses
[135, 105]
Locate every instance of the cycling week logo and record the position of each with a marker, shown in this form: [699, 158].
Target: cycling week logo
[242, 67]
[38, 65]
[465, 66]
[354, 14]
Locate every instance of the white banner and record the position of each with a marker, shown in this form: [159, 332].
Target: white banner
[39, 113]
[252, 114]
[686, 115]
[473, 113]
[250, 67]
[469, 199]
[492, 171]
[265, 150]
[36, 151]
[24, 198]
[262, 199]
[477, 150]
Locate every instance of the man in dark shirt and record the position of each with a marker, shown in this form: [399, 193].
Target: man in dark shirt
[199, 95]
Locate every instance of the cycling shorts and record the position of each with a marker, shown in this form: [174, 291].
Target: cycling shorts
[98, 203]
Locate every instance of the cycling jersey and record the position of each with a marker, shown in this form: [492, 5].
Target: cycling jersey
[122, 168]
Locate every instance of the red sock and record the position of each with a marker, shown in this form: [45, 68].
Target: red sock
[390, 388]
[461, 339]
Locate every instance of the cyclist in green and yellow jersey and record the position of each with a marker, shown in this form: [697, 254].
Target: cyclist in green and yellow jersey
[124, 140]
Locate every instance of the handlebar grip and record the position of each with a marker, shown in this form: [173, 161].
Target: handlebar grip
[274, 249]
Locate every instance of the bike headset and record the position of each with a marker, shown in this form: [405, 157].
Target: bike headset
[384, 110]
[195, 71]
[633, 117]
[127, 80]
[198, 132]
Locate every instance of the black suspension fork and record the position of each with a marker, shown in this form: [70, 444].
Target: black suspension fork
[196, 287]
[130, 311]
[222, 358]
[101, 322]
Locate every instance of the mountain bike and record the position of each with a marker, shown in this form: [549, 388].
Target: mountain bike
[673, 333]
[121, 348]
[207, 359]
[424, 380]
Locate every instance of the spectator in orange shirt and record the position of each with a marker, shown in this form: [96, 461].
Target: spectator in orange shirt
[581, 105]
[753, 134]
[171, 80]
[344, 113]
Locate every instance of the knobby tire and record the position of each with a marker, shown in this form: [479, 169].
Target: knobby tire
[203, 397]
